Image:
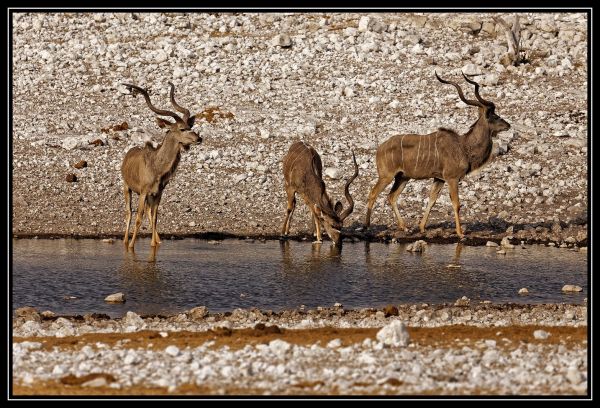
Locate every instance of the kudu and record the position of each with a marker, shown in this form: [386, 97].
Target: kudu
[147, 170]
[443, 155]
[302, 171]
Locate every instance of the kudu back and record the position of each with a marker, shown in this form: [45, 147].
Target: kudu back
[302, 171]
[442, 155]
[147, 170]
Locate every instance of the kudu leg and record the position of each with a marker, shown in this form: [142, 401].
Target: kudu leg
[399, 184]
[127, 193]
[434, 193]
[291, 206]
[315, 219]
[154, 207]
[453, 187]
[152, 211]
[377, 189]
[138, 218]
[155, 235]
[317, 227]
[148, 212]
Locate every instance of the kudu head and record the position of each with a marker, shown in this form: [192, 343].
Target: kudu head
[487, 110]
[333, 217]
[182, 128]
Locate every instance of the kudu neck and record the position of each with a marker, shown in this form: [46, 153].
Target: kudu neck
[167, 154]
[318, 195]
[477, 143]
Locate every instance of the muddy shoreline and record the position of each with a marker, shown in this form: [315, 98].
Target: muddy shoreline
[383, 237]
[30, 322]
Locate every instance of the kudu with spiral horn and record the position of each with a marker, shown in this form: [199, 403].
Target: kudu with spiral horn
[443, 155]
[302, 171]
[147, 170]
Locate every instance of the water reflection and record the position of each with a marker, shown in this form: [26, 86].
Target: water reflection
[317, 256]
[179, 275]
[142, 277]
[307, 270]
[141, 270]
[457, 251]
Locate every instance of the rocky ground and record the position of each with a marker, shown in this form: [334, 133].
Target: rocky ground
[424, 349]
[258, 82]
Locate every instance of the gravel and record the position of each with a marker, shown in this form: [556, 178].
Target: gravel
[572, 288]
[541, 334]
[389, 363]
[271, 369]
[115, 298]
[394, 335]
[339, 81]
[464, 311]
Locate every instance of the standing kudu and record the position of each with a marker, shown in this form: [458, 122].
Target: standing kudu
[443, 155]
[147, 170]
[302, 170]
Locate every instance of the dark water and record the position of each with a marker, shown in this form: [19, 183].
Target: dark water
[277, 275]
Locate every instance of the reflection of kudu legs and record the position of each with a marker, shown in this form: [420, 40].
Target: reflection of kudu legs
[399, 184]
[453, 187]
[291, 206]
[138, 218]
[152, 254]
[377, 189]
[434, 193]
[127, 193]
[457, 252]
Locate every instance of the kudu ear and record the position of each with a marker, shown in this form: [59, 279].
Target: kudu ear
[191, 121]
[162, 123]
[338, 208]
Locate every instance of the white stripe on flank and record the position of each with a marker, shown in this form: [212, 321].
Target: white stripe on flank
[402, 150]
[436, 151]
[385, 155]
[297, 156]
[418, 151]
[428, 150]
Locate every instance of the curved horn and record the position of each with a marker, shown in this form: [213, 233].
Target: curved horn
[179, 108]
[350, 208]
[470, 102]
[134, 89]
[479, 98]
